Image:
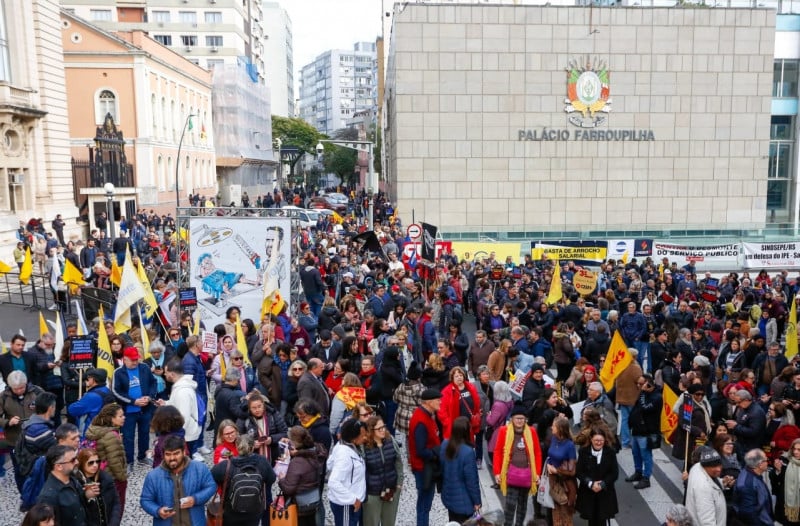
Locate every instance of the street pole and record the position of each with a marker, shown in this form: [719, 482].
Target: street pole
[109, 188]
[371, 187]
[178, 163]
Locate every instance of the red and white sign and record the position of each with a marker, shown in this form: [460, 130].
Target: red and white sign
[414, 231]
[410, 248]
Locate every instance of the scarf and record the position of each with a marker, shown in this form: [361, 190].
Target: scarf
[509, 443]
[792, 490]
[311, 421]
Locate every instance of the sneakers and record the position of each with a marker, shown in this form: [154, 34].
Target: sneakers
[198, 457]
[53, 307]
[204, 451]
[636, 477]
[642, 484]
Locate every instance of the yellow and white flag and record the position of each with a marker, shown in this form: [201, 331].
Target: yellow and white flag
[150, 303]
[272, 301]
[130, 291]
[43, 329]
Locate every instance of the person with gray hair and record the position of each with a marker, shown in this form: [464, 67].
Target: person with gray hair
[753, 502]
[596, 398]
[748, 428]
[678, 515]
[501, 408]
[230, 401]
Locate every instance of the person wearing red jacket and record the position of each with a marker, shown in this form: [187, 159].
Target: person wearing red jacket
[459, 398]
[424, 441]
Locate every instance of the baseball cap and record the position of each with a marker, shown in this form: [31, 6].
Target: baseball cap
[131, 353]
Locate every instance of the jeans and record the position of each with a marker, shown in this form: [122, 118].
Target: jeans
[345, 515]
[644, 352]
[138, 421]
[424, 500]
[624, 430]
[642, 456]
[391, 411]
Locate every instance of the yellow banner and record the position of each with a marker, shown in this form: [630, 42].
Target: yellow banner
[791, 332]
[617, 359]
[570, 253]
[484, 250]
[669, 419]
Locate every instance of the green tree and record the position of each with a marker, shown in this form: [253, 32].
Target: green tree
[297, 133]
[340, 160]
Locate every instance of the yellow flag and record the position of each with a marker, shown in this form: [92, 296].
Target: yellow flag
[130, 293]
[72, 276]
[624, 258]
[150, 303]
[145, 339]
[241, 343]
[617, 359]
[3, 348]
[791, 331]
[116, 272]
[669, 419]
[4, 268]
[27, 268]
[43, 329]
[196, 325]
[555, 294]
[105, 360]
[222, 366]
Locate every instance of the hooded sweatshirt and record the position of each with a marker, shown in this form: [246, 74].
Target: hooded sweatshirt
[184, 398]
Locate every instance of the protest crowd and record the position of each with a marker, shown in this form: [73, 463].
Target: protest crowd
[447, 365]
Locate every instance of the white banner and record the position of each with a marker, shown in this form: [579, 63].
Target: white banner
[705, 257]
[229, 257]
[620, 249]
[772, 255]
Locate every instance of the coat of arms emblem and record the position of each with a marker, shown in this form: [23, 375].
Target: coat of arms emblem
[588, 93]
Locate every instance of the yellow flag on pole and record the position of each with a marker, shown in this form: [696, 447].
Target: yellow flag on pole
[617, 359]
[27, 268]
[791, 331]
[105, 360]
[4, 268]
[145, 339]
[241, 343]
[72, 276]
[130, 292]
[555, 294]
[43, 329]
[3, 348]
[150, 303]
[196, 324]
[116, 272]
[669, 419]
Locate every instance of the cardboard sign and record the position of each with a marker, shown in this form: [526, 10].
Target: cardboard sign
[81, 353]
[585, 281]
[209, 342]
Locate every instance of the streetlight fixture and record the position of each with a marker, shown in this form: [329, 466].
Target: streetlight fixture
[371, 182]
[109, 188]
[277, 144]
[178, 162]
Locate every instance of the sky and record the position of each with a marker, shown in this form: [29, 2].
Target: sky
[320, 25]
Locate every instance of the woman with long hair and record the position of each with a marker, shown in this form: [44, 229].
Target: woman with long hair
[560, 466]
[105, 509]
[302, 478]
[725, 445]
[461, 492]
[544, 411]
[265, 425]
[597, 470]
[40, 515]
[435, 375]
[105, 431]
[384, 472]
[227, 433]
[167, 421]
[785, 478]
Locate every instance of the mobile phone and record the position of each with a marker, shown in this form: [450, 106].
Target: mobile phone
[169, 509]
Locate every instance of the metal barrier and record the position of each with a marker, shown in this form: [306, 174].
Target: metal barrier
[36, 295]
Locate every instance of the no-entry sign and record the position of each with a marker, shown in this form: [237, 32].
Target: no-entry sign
[414, 231]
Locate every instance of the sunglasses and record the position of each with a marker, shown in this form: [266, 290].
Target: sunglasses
[92, 462]
[237, 359]
[380, 428]
[70, 461]
[297, 368]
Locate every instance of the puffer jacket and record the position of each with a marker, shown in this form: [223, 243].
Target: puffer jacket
[158, 491]
[461, 489]
[11, 405]
[563, 352]
[110, 449]
[384, 468]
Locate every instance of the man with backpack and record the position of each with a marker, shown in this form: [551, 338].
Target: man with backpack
[36, 438]
[17, 405]
[97, 395]
[176, 492]
[66, 435]
[185, 398]
[246, 483]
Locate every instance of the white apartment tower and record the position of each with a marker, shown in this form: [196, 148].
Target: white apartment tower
[209, 33]
[338, 85]
[279, 62]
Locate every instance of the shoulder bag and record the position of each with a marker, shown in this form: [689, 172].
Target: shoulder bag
[214, 508]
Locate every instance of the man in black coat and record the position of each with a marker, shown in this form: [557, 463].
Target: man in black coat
[62, 492]
[313, 286]
[230, 401]
[17, 359]
[312, 386]
[326, 350]
[645, 424]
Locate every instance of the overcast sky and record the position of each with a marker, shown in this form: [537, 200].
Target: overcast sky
[320, 25]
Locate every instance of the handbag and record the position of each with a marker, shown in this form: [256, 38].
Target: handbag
[653, 441]
[543, 496]
[214, 508]
[282, 512]
[307, 502]
[519, 477]
[474, 418]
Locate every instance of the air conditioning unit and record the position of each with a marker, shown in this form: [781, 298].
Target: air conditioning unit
[188, 49]
[16, 178]
[214, 49]
[194, 25]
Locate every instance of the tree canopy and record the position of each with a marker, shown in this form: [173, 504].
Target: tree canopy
[296, 132]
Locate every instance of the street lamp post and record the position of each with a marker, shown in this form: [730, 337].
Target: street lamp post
[371, 183]
[109, 188]
[178, 162]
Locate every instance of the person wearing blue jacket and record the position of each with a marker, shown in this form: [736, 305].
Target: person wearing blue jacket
[135, 389]
[97, 395]
[461, 492]
[752, 501]
[184, 503]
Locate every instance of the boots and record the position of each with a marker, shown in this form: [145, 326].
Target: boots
[642, 484]
[636, 477]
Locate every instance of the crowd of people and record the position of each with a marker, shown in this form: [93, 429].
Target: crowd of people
[377, 368]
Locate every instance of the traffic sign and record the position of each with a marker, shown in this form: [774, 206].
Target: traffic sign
[414, 231]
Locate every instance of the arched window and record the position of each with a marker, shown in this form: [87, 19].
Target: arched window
[106, 103]
[162, 179]
[154, 116]
[169, 170]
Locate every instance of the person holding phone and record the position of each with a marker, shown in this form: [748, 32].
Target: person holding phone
[105, 509]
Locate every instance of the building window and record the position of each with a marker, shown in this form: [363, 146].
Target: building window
[5, 62]
[784, 79]
[106, 103]
[189, 40]
[188, 17]
[216, 63]
[213, 41]
[781, 165]
[161, 16]
[213, 17]
[164, 40]
[100, 15]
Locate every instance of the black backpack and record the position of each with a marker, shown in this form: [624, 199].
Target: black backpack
[25, 457]
[246, 490]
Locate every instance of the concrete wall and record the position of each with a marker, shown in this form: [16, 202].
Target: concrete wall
[463, 80]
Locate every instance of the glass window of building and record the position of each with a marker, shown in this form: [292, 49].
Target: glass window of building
[784, 79]
[103, 15]
[161, 16]
[189, 40]
[106, 104]
[213, 17]
[781, 161]
[5, 62]
[213, 41]
[164, 40]
[215, 63]
[188, 17]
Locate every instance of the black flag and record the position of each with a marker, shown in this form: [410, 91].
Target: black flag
[429, 242]
[368, 242]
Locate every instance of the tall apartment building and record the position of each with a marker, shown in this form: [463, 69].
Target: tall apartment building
[338, 85]
[280, 58]
[207, 32]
